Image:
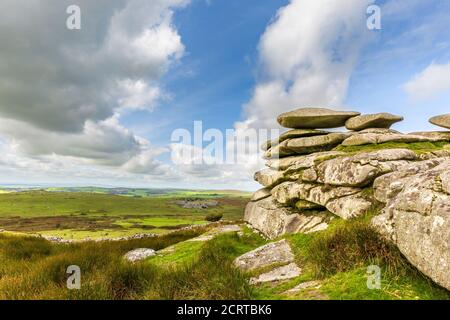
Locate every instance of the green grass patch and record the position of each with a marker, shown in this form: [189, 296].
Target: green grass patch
[418, 147]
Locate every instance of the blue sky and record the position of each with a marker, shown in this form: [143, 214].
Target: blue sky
[97, 106]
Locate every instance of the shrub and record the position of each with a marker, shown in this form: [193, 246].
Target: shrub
[213, 217]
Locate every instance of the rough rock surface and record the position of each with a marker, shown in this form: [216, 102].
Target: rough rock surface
[314, 118]
[359, 170]
[272, 253]
[273, 219]
[377, 138]
[417, 216]
[278, 274]
[315, 144]
[295, 133]
[441, 121]
[139, 254]
[260, 194]
[378, 120]
[308, 183]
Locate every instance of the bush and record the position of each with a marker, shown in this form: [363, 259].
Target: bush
[213, 217]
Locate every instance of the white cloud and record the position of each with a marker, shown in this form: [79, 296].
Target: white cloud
[307, 56]
[62, 90]
[432, 81]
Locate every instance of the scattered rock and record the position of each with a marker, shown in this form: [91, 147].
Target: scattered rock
[378, 120]
[278, 274]
[441, 121]
[295, 133]
[272, 253]
[139, 254]
[312, 118]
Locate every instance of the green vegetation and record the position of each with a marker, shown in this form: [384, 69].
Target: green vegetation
[213, 217]
[418, 147]
[78, 215]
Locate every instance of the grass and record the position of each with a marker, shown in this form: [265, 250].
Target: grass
[77, 215]
[418, 147]
[33, 268]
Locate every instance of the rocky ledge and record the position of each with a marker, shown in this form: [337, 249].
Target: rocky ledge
[314, 176]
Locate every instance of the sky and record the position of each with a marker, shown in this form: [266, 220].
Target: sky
[101, 105]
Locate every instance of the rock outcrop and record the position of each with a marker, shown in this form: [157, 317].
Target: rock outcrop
[314, 176]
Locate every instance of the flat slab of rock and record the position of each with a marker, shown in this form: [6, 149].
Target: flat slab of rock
[315, 144]
[266, 255]
[289, 271]
[269, 177]
[301, 162]
[378, 120]
[360, 139]
[312, 118]
[295, 133]
[441, 121]
[260, 194]
[139, 254]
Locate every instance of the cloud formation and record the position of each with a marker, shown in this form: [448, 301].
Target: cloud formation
[307, 56]
[430, 82]
[62, 90]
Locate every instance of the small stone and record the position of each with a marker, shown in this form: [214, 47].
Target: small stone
[378, 120]
[139, 254]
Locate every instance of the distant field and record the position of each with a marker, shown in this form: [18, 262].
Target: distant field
[98, 213]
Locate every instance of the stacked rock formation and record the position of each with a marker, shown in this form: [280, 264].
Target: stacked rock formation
[315, 175]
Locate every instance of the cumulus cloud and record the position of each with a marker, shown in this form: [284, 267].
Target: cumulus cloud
[430, 82]
[307, 56]
[62, 89]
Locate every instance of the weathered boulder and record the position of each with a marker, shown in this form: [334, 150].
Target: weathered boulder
[272, 219]
[279, 151]
[350, 206]
[314, 118]
[139, 254]
[266, 255]
[269, 177]
[260, 194]
[441, 121]
[301, 162]
[295, 133]
[316, 144]
[378, 120]
[358, 170]
[417, 218]
[377, 138]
